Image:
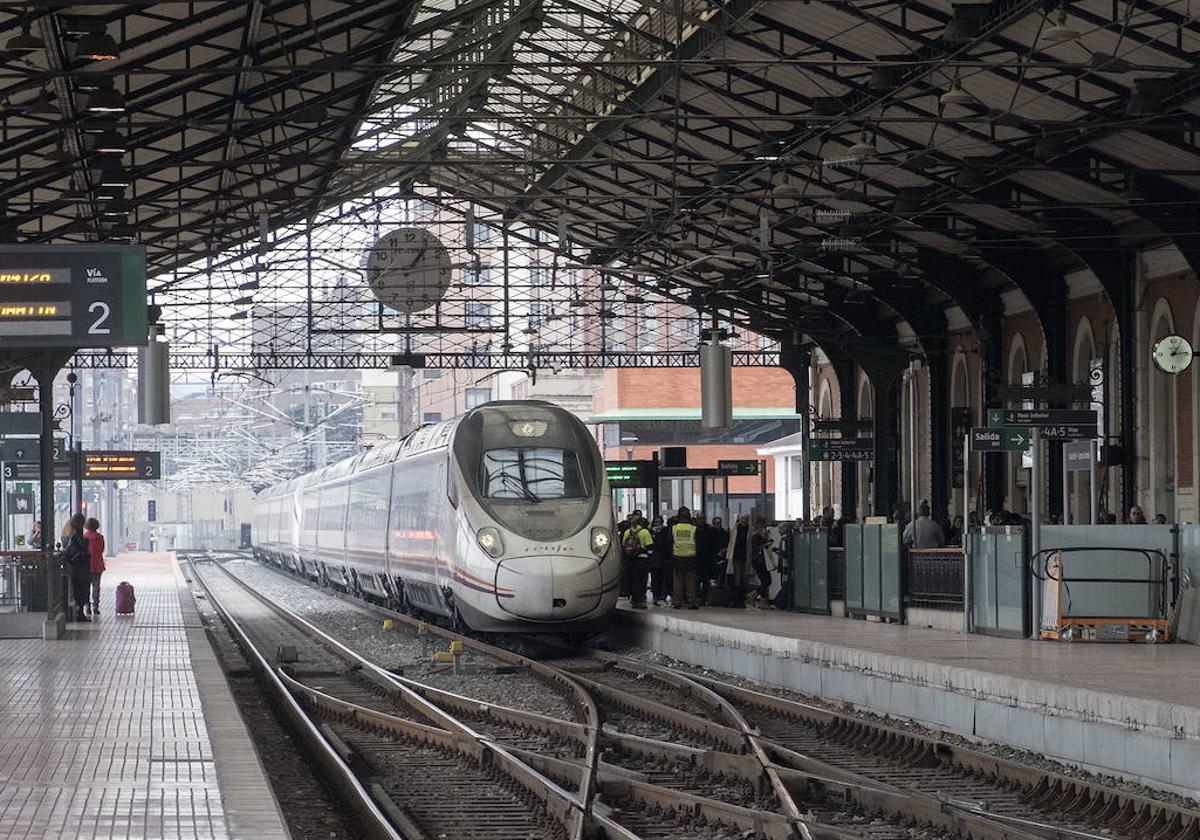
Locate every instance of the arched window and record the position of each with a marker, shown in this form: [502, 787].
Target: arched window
[866, 409]
[1018, 479]
[1159, 496]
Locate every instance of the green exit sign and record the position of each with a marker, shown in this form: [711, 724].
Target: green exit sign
[631, 473]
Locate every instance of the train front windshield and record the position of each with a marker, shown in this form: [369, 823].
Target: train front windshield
[534, 469]
[535, 474]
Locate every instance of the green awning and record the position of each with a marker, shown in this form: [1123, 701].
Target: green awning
[616, 415]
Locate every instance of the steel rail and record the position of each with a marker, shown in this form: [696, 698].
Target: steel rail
[573, 807]
[336, 769]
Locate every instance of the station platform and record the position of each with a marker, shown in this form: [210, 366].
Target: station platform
[1123, 709]
[126, 727]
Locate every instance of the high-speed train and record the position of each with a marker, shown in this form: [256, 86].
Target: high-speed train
[499, 520]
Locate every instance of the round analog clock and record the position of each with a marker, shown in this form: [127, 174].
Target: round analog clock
[408, 269]
[1172, 354]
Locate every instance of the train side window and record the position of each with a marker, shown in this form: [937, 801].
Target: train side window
[451, 484]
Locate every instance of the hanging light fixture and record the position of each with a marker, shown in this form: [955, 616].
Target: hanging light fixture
[25, 43]
[104, 101]
[1060, 32]
[109, 142]
[59, 155]
[42, 106]
[533, 19]
[787, 188]
[73, 196]
[863, 149]
[97, 46]
[956, 96]
[111, 174]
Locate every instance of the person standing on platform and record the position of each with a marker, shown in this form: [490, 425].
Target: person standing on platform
[683, 561]
[77, 560]
[720, 542]
[705, 552]
[35, 537]
[635, 550]
[737, 561]
[95, 541]
[923, 532]
[1136, 516]
[760, 544]
[660, 561]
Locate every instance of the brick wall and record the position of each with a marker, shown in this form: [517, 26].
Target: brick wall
[680, 388]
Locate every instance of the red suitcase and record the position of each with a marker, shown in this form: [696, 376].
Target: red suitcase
[125, 599]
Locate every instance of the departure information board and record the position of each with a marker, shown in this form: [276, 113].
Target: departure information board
[131, 465]
[72, 296]
[631, 473]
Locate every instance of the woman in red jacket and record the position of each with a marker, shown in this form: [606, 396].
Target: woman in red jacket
[95, 542]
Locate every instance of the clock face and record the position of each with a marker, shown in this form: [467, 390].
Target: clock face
[408, 270]
[1172, 354]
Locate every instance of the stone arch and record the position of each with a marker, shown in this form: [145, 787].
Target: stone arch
[1018, 487]
[1159, 495]
[865, 400]
[1083, 350]
[960, 397]
[824, 469]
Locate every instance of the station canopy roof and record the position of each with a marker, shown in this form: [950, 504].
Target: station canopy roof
[842, 169]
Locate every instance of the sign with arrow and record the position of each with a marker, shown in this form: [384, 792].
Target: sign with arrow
[997, 417]
[841, 449]
[1004, 439]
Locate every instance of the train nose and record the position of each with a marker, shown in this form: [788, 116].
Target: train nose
[548, 588]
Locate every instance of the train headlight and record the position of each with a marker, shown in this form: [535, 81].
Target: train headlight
[601, 540]
[490, 541]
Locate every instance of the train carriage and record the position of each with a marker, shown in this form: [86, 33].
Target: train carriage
[500, 520]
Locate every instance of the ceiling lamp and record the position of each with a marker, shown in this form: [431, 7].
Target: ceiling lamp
[98, 46]
[863, 149]
[59, 155]
[111, 174]
[25, 43]
[1059, 32]
[1146, 99]
[533, 18]
[956, 97]
[119, 207]
[104, 101]
[314, 114]
[966, 22]
[109, 142]
[42, 106]
[728, 219]
[787, 188]
[1049, 147]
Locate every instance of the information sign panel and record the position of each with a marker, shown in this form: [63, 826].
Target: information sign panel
[30, 450]
[630, 473]
[1069, 432]
[20, 503]
[32, 471]
[738, 467]
[1004, 439]
[1077, 456]
[844, 449]
[1040, 417]
[132, 465]
[72, 296]
[847, 425]
[20, 422]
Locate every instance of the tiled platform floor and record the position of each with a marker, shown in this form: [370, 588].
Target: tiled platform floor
[126, 728]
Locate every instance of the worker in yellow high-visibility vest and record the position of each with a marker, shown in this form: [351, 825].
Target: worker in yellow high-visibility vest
[683, 557]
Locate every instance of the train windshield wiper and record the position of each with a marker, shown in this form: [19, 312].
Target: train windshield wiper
[514, 483]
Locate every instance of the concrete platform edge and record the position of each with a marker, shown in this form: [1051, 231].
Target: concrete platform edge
[1108, 733]
[251, 809]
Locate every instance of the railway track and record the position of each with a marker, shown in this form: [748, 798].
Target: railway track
[655, 752]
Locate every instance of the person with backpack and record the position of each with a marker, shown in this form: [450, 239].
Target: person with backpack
[636, 548]
[77, 560]
[95, 541]
[660, 561]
